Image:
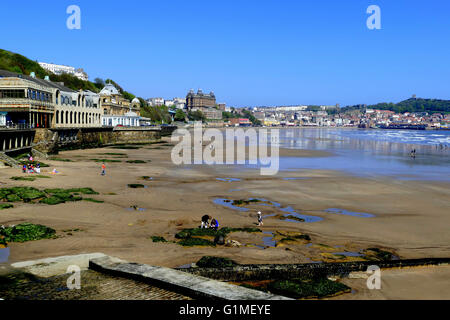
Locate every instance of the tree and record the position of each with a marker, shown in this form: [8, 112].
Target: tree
[180, 115]
[99, 83]
[196, 116]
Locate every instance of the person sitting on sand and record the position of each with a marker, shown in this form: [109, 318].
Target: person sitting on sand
[260, 219]
[205, 221]
[214, 224]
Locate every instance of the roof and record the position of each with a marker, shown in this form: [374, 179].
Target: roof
[42, 82]
[109, 89]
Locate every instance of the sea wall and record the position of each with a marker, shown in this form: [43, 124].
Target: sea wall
[290, 271]
[54, 140]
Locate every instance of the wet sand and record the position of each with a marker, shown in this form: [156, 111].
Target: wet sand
[411, 217]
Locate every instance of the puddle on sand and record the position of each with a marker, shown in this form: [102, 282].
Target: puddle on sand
[4, 255]
[291, 212]
[228, 179]
[268, 241]
[228, 203]
[135, 209]
[295, 178]
[349, 213]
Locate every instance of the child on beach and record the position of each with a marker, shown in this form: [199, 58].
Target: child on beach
[214, 224]
[103, 169]
[24, 168]
[260, 219]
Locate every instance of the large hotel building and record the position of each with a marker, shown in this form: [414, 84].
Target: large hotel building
[204, 102]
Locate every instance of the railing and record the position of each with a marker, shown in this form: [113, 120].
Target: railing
[33, 103]
[16, 126]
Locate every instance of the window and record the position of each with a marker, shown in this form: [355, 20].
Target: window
[12, 93]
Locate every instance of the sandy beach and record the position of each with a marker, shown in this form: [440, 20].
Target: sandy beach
[409, 218]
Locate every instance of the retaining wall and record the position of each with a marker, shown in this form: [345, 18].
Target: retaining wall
[289, 271]
[53, 140]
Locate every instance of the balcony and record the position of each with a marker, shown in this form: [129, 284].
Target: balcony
[12, 103]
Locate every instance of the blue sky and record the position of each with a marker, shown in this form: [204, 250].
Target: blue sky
[248, 52]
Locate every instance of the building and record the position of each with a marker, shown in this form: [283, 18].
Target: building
[180, 103]
[200, 100]
[40, 103]
[113, 103]
[212, 114]
[206, 103]
[129, 119]
[60, 69]
[155, 102]
[221, 106]
[240, 122]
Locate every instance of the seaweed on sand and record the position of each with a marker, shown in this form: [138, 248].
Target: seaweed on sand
[215, 262]
[317, 287]
[158, 239]
[26, 232]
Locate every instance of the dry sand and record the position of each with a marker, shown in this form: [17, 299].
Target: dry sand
[412, 218]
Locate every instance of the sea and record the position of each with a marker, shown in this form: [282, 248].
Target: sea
[371, 152]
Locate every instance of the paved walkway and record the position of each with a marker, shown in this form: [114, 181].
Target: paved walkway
[94, 286]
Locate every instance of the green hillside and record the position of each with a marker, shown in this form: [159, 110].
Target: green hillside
[415, 105]
[15, 62]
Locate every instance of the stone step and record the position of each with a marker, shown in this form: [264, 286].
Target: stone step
[178, 281]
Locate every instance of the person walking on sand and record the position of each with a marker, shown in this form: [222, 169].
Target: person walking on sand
[103, 169]
[205, 223]
[260, 219]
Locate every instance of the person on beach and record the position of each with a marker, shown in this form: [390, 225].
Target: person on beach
[214, 224]
[38, 168]
[24, 168]
[103, 169]
[260, 219]
[205, 221]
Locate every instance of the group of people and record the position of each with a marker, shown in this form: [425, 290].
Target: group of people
[30, 168]
[214, 224]
[413, 153]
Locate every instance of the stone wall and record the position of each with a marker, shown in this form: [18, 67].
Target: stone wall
[289, 271]
[53, 140]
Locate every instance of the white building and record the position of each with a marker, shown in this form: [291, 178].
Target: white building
[60, 69]
[129, 119]
[155, 102]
